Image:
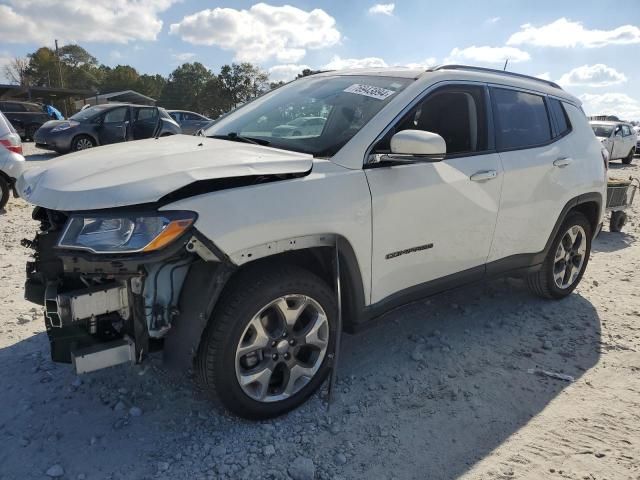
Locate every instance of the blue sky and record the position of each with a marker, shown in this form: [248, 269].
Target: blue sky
[591, 48]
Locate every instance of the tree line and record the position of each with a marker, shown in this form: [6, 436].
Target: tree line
[191, 86]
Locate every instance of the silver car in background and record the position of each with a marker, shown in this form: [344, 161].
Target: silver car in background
[619, 138]
[11, 160]
[190, 122]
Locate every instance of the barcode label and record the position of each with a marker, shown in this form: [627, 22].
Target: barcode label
[369, 91]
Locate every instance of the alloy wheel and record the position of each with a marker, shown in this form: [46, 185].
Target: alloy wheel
[282, 348]
[570, 257]
[83, 144]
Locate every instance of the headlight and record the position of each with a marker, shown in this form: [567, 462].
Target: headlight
[124, 233]
[64, 126]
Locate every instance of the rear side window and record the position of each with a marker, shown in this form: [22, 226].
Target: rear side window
[13, 107]
[560, 116]
[626, 131]
[521, 119]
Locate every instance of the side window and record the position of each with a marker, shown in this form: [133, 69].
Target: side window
[145, 114]
[560, 116]
[117, 115]
[176, 116]
[626, 131]
[520, 118]
[456, 113]
[33, 108]
[618, 130]
[14, 107]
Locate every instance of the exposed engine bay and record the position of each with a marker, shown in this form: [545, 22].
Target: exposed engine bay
[101, 310]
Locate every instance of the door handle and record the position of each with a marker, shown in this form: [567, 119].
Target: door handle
[562, 162]
[484, 176]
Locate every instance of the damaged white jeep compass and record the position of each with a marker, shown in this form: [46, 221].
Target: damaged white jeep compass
[321, 205]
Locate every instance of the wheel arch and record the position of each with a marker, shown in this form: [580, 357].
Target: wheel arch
[84, 134]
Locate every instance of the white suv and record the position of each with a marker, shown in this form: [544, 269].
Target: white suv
[618, 138]
[244, 253]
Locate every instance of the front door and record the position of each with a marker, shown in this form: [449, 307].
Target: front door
[114, 127]
[432, 220]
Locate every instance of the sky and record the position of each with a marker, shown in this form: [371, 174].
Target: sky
[592, 48]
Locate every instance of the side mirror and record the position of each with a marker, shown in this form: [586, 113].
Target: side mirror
[418, 143]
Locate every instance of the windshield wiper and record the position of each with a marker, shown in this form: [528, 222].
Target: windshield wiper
[234, 137]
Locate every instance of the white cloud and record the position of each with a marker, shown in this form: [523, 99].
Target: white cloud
[598, 75]
[485, 54]
[115, 55]
[116, 21]
[492, 20]
[566, 33]
[544, 76]
[338, 63]
[285, 72]
[5, 60]
[619, 104]
[382, 9]
[260, 33]
[426, 63]
[183, 57]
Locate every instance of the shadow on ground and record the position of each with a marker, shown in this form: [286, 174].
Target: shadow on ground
[426, 394]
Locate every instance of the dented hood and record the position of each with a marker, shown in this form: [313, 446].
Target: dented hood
[144, 171]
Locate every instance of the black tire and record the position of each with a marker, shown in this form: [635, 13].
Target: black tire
[30, 131]
[629, 158]
[77, 142]
[5, 191]
[542, 282]
[618, 220]
[244, 297]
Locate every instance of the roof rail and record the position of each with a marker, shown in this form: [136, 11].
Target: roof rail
[493, 70]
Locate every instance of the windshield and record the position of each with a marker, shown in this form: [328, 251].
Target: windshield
[89, 113]
[315, 115]
[602, 130]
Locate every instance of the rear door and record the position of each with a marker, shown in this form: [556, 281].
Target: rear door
[114, 126]
[432, 220]
[145, 122]
[629, 140]
[539, 170]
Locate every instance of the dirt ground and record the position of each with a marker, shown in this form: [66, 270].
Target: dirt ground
[441, 389]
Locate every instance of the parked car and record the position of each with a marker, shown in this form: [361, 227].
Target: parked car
[190, 122]
[301, 126]
[619, 138]
[26, 117]
[228, 247]
[11, 159]
[105, 124]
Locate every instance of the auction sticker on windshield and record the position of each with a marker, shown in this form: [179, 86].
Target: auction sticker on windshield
[369, 91]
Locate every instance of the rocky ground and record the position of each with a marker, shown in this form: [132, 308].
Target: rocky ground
[447, 388]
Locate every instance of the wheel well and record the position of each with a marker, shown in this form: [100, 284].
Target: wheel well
[94, 140]
[591, 210]
[320, 261]
[10, 181]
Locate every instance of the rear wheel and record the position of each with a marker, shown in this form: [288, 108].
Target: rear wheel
[267, 347]
[618, 219]
[629, 158]
[566, 260]
[30, 131]
[82, 142]
[4, 192]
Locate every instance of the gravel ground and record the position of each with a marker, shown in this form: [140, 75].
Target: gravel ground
[440, 389]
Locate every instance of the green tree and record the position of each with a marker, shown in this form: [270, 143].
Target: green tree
[184, 86]
[214, 100]
[243, 81]
[151, 85]
[43, 69]
[122, 77]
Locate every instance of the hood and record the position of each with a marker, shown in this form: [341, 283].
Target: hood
[146, 170]
[54, 123]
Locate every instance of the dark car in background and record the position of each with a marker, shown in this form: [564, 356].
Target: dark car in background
[105, 124]
[190, 122]
[26, 117]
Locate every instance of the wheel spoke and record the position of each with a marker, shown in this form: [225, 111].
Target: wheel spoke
[257, 381]
[561, 252]
[558, 275]
[316, 335]
[297, 373]
[259, 340]
[567, 274]
[291, 313]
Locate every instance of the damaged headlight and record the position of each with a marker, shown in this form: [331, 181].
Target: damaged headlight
[126, 233]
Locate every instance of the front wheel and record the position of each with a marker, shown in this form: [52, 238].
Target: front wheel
[566, 260]
[82, 142]
[267, 347]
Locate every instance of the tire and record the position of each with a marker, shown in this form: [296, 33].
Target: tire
[618, 220]
[544, 282]
[220, 362]
[629, 158]
[82, 142]
[30, 131]
[5, 191]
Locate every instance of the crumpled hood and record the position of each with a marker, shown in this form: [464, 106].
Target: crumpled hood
[146, 170]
